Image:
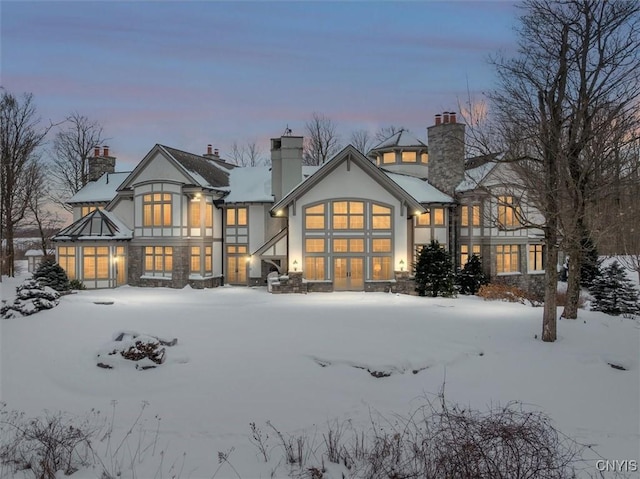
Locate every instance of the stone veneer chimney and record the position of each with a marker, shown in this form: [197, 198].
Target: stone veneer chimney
[286, 165]
[446, 152]
[101, 164]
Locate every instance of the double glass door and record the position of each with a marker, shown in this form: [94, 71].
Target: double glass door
[348, 273]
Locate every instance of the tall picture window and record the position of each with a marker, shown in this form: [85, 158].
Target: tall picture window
[156, 209]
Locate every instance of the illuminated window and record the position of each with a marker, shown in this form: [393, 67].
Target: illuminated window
[348, 245]
[85, 210]
[195, 259]
[508, 212]
[208, 259]
[424, 219]
[237, 216]
[314, 268]
[464, 253]
[536, 257]
[314, 217]
[314, 245]
[67, 260]
[348, 215]
[381, 245]
[424, 158]
[389, 157]
[381, 217]
[95, 261]
[507, 258]
[381, 267]
[194, 213]
[158, 260]
[438, 216]
[208, 218]
[408, 156]
[157, 209]
[470, 215]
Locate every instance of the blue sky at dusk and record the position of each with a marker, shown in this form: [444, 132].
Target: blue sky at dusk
[186, 74]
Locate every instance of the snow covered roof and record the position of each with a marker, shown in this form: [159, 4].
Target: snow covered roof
[101, 190]
[209, 173]
[474, 175]
[97, 225]
[253, 183]
[420, 189]
[38, 252]
[402, 138]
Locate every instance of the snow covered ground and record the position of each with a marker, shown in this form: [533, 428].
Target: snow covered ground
[300, 361]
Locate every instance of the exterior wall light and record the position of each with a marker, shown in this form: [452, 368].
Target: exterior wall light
[295, 265]
[401, 265]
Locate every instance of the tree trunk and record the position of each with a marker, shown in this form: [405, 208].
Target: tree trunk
[550, 313]
[573, 283]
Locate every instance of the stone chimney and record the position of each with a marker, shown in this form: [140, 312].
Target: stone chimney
[446, 152]
[101, 164]
[286, 164]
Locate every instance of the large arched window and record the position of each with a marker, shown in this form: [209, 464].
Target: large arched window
[351, 237]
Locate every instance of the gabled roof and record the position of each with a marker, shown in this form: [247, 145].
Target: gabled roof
[201, 171]
[99, 191]
[97, 225]
[477, 169]
[349, 153]
[270, 242]
[402, 138]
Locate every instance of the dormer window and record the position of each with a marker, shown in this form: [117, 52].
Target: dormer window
[389, 157]
[408, 156]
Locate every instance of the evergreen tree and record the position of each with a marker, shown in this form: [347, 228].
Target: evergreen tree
[434, 271]
[590, 267]
[51, 274]
[613, 293]
[471, 277]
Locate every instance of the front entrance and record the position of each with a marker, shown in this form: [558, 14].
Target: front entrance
[348, 274]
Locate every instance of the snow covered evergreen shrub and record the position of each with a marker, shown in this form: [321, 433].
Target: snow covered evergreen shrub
[613, 293]
[51, 274]
[471, 277]
[76, 284]
[434, 272]
[31, 298]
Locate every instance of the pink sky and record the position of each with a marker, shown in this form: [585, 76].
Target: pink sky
[187, 74]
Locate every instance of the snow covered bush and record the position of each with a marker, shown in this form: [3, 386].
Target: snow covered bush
[613, 293]
[143, 350]
[31, 298]
[51, 274]
[434, 272]
[471, 277]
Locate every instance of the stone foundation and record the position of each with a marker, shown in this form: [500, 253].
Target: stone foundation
[289, 283]
[404, 283]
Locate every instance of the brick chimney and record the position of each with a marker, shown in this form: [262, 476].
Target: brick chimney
[446, 152]
[101, 164]
[212, 153]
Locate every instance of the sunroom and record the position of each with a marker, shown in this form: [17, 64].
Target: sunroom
[93, 250]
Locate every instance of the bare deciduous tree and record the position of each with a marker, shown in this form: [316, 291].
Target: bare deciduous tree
[386, 132]
[322, 140]
[575, 76]
[362, 140]
[248, 154]
[72, 148]
[20, 137]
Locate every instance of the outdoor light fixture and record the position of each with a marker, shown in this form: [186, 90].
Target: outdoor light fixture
[401, 265]
[295, 265]
[248, 258]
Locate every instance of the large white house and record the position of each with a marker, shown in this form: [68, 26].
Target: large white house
[353, 223]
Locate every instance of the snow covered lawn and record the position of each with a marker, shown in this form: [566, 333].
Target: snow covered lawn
[301, 361]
